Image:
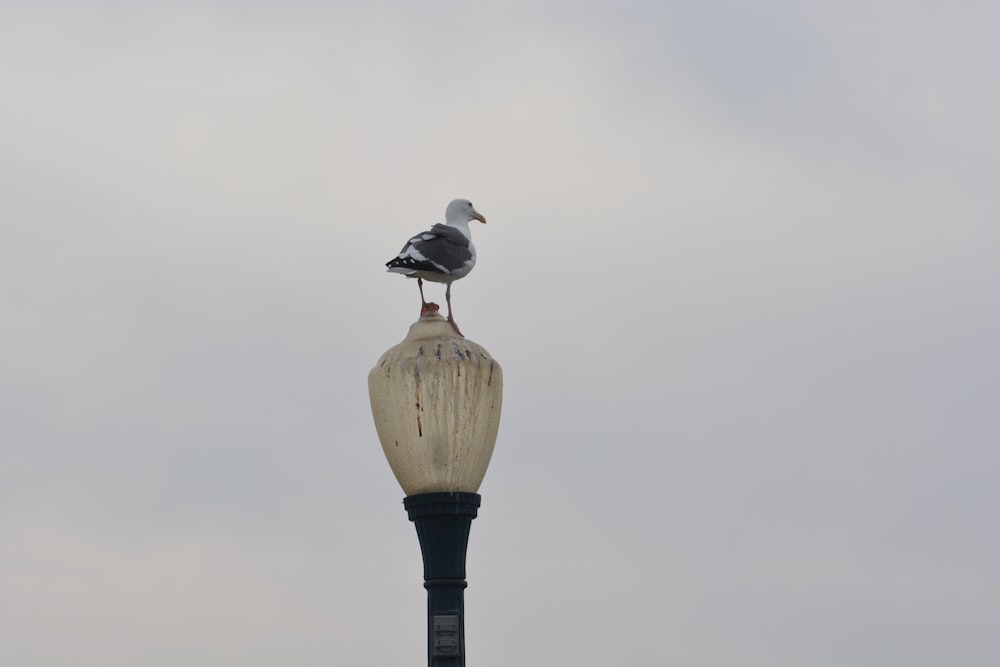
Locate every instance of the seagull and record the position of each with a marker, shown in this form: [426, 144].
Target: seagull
[442, 254]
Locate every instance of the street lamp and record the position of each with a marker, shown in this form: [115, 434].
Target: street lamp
[436, 402]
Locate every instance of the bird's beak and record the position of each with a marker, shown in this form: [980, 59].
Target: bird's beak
[479, 216]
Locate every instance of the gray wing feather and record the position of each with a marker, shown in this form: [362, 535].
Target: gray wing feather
[445, 249]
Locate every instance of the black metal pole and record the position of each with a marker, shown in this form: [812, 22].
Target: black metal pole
[443, 520]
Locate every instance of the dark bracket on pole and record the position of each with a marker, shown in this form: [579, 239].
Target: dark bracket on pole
[443, 520]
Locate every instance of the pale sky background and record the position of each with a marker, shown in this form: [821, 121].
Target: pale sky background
[741, 271]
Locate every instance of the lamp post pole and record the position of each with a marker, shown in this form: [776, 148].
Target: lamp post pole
[443, 520]
[436, 400]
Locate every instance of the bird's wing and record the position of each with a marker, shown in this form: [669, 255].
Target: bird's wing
[442, 249]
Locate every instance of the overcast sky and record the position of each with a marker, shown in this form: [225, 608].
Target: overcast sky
[741, 271]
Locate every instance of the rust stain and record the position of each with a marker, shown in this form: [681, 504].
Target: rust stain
[416, 383]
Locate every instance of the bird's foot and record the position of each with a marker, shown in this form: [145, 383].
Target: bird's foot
[429, 308]
[455, 326]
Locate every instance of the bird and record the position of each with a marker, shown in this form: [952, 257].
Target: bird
[442, 254]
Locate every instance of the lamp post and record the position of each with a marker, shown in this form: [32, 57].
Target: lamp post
[436, 400]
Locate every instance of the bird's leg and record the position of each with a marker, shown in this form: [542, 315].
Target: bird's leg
[447, 297]
[425, 307]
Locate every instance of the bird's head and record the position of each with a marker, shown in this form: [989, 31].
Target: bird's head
[461, 210]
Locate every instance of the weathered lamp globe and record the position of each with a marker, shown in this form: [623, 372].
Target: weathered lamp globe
[436, 402]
